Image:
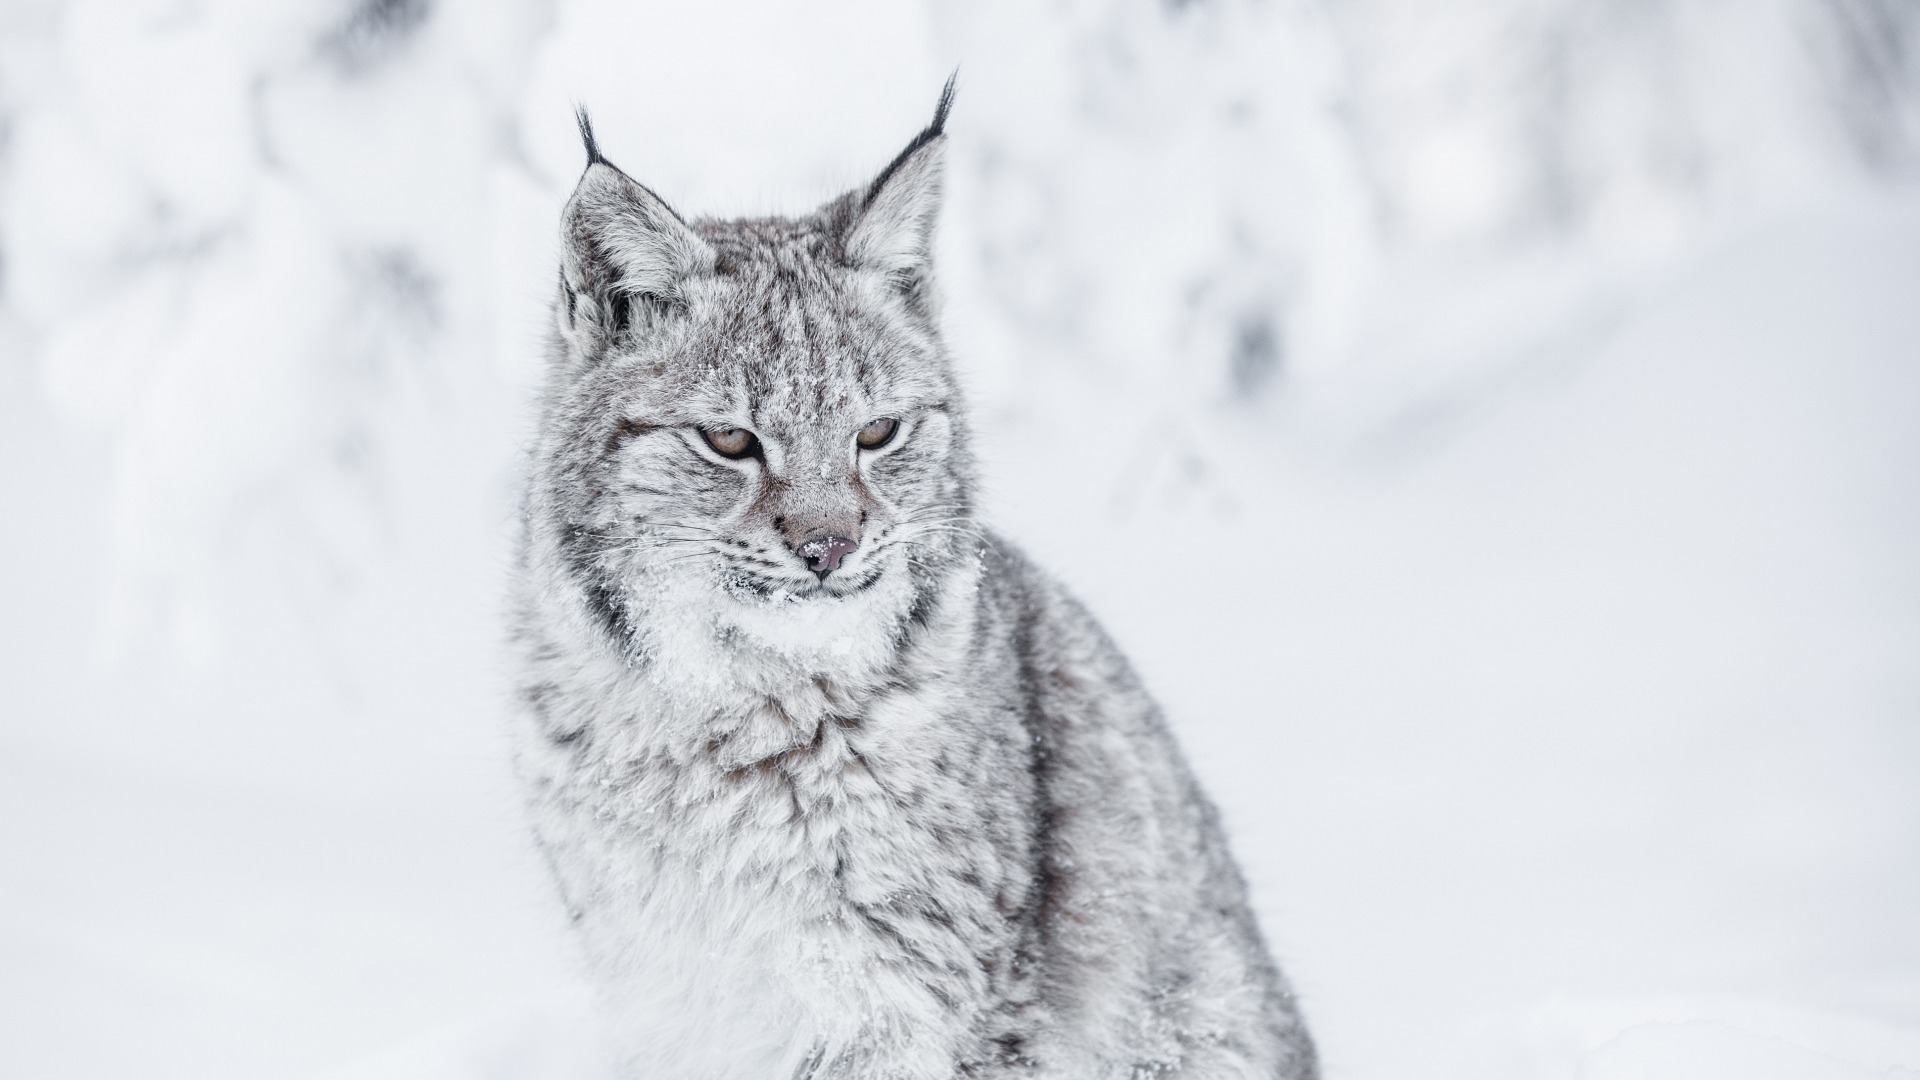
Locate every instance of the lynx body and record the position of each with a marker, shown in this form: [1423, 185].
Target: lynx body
[834, 783]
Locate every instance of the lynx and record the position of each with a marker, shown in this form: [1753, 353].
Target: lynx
[834, 782]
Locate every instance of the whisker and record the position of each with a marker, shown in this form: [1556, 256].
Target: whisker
[691, 555]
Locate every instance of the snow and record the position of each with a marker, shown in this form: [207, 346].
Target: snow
[1490, 426]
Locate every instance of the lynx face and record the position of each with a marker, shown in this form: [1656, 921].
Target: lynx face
[760, 421]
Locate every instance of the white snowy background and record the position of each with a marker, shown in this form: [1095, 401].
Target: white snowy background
[1492, 426]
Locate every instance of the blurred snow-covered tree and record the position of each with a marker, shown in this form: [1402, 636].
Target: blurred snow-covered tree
[242, 236]
[1202, 195]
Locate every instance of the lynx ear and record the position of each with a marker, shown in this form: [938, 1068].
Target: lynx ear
[626, 255]
[892, 228]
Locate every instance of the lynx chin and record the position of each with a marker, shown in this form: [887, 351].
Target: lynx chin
[834, 782]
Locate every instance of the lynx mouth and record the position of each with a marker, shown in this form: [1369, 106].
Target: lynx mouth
[858, 584]
[763, 587]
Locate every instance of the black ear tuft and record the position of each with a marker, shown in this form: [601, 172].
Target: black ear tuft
[594, 156]
[927, 134]
[940, 111]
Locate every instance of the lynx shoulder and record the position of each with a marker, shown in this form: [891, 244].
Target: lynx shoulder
[834, 783]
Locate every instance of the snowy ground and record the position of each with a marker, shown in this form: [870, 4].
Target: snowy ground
[1509, 493]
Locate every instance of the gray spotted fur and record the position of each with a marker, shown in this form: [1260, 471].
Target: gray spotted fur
[915, 820]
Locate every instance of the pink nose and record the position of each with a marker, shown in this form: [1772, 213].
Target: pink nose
[823, 555]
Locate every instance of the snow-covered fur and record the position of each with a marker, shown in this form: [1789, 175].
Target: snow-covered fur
[910, 818]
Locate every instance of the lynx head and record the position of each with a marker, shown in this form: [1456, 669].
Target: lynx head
[752, 426]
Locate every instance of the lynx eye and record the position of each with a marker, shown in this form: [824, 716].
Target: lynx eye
[731, 442]
[877, 434]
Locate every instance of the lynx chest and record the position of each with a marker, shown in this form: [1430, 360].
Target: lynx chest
[822, 869]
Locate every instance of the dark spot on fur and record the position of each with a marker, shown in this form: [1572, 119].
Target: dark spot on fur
[539, 700]
[626, 430]
[938, 915]
[1012, 1049]
[610, 613]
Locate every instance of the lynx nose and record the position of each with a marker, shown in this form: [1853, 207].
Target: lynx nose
[823, 554]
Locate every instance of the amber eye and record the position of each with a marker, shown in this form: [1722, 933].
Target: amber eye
[731, 442]
[877, 434]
